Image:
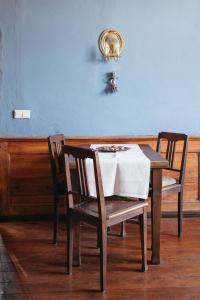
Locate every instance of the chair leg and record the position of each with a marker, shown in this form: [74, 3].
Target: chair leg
[123, 229]
[76, 244]
[180, 213]
[103, 257]
[69, 244]
[98, 236]
[56, 219]
[143, 236]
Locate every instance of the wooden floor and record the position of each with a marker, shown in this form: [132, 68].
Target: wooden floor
[40, 266]
[9, 281]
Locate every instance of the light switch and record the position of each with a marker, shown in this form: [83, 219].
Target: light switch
[22, 114]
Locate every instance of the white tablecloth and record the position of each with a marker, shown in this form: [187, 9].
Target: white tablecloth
[124, 173]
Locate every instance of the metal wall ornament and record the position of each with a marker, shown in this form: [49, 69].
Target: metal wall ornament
[112, 82]
[111, 43]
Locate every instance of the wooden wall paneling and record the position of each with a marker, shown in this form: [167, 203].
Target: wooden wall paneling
[4, 178]
[31, 182]
[198, 168]
[25, 176]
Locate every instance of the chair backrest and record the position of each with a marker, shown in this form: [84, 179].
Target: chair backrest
[55, 143]
[171, 139]
[76, 157]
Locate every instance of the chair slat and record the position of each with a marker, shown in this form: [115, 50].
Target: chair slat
[86, 179]
[78, 168]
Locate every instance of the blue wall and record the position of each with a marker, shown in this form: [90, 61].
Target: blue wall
[50, 63]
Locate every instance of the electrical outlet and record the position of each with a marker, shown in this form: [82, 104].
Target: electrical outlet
[22, 114]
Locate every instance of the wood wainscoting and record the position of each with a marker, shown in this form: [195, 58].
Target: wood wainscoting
[26, 183]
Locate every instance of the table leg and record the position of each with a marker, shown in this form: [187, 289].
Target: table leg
[156, 214]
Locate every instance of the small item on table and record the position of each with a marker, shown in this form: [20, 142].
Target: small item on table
[113, 148]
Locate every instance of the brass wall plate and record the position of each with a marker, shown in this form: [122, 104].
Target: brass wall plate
[111, 43]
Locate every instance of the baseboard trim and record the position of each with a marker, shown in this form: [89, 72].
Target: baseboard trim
[186, 214]
[29, 218]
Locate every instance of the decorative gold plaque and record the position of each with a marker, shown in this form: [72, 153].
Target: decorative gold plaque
[111, 43]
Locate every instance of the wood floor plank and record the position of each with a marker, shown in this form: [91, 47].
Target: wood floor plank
[10, 287]
[41, 266]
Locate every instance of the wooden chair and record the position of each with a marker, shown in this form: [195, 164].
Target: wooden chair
[55, 143]
[97, 211]
[170, 184]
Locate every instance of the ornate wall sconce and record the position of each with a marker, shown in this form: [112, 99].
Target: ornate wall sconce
[111, 44]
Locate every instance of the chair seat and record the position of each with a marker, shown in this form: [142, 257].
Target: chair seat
[115, 206]
[166, 181]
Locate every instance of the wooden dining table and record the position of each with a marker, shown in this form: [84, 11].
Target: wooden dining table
[158, 163]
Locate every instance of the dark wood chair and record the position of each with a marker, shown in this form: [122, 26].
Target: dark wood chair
[97, 211]
[166, 145]
[55, 143]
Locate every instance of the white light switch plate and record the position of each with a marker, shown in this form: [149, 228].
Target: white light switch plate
[22, 114]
